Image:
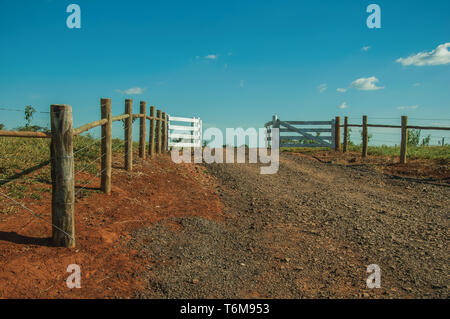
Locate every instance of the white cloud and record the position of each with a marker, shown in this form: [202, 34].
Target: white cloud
[132, 91]
[417, 84]
[411, 107]
[211, 57]
[439, 56]
[341, 90]
[343, 105]
[322, 88]
[367, 84]
[366, 48]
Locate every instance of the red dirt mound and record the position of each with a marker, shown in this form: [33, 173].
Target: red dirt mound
[156, 190]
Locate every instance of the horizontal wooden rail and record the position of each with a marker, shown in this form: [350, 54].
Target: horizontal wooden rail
[416, 127]
[25, 134]
[429, 128]
[120, 117]
[285, 130]
[385, 126]
[308, 122]
[89, 126]
[299, 138]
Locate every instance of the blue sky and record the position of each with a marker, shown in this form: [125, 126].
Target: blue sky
[232, 63]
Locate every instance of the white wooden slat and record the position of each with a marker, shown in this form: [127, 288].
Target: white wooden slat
[182, 128]
[184, 119]
[173, 144]
[177, 135]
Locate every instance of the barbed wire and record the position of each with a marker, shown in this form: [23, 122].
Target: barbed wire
[35, 214]
[87, 146]
[19, 110]
[90, 181]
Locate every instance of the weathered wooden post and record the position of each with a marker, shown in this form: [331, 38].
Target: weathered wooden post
[158, 131]
[337, 134]
[151, 146]
[142, 130]
[404, 142]
[164, 133]
[129, 135]
[365, 136]
[106, 148]
[345, 134]
[63, 185]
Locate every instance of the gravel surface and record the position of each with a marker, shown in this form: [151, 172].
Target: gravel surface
[310, 231]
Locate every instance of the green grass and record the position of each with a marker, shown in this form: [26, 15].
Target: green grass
[19, 154]
[413, 152]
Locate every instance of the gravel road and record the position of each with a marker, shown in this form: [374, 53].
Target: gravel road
[310, 231]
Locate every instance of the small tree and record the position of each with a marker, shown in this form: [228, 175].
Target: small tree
[349, 139]
[29, 111]
[2, 126]
[426, 140]
[413, 137]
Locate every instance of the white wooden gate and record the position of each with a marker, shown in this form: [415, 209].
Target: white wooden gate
[300, 136]
[185, 132]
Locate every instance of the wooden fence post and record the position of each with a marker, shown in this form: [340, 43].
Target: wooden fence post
[151, 137]
[345, 134]
[142, 130]
[164, 132]
[166, 127]
[158, 131]
[365, 137]
[106, 147]
[404, 142]
[129, 135]
[337, 135]
[63, 185]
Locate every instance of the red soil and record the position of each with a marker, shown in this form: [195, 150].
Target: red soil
[427, 169]
[156, 190]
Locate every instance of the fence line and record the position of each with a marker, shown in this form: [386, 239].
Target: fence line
[62, 156]
[404, 134]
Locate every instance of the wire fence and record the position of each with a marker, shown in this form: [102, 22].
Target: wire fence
[69, 160]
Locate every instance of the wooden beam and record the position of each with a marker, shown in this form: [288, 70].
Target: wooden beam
[158, 131]
[142, 130]
[300, 131]
[63, 185]
[337, 134]
[120, 117]
[151, 135]
[345, 134]
[129, 135]
[164, 133]
[365, 137]
[404, 141]
[106, 148]
[429, 128]
[88, 126]
[25, 134]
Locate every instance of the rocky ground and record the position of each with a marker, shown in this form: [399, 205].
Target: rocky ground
[309, 231]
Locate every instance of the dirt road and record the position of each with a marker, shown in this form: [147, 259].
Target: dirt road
[309, 231]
